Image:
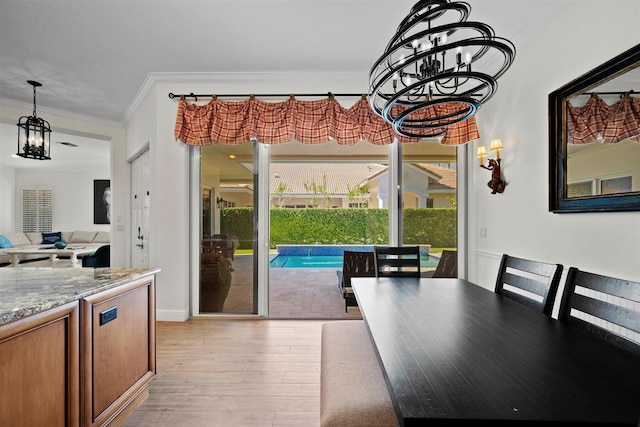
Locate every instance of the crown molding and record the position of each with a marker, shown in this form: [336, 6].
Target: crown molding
[350, 79]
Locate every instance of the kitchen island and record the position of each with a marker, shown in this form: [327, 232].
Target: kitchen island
[77, 345]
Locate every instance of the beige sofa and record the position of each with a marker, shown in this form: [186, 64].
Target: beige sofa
[90, 239]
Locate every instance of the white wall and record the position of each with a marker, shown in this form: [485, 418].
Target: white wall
[154, 121]
[518, 221]
[72, 197]
[119, 172]
[152, 126]
[7, 192]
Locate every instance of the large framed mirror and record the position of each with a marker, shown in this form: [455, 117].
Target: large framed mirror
[594, 139]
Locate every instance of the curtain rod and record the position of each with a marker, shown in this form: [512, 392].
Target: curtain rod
[630, 92]
[267, 95]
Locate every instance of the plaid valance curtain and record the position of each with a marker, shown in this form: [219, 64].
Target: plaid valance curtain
[608, 123]
[308, 122]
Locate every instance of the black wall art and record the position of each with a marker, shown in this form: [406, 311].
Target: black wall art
[101, 201]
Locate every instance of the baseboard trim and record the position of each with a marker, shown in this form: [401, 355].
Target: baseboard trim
[171, 315]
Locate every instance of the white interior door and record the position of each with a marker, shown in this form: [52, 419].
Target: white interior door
[140, 198]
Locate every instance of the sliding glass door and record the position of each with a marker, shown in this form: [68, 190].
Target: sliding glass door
[429, 199]
[311, 200]
[226, 239]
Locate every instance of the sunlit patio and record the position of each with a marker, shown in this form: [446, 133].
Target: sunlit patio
[293, 292]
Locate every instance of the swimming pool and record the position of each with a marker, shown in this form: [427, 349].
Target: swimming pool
[313, 261]
[329, 256]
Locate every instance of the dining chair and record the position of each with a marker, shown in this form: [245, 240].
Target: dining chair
[447, 266]
[532, 283]
[354, 264]
[397, 261]
[605, 306]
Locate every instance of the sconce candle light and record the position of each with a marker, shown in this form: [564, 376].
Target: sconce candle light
[496, 184]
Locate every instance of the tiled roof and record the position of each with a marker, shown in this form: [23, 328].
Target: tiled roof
[448, 179]
[340, 177]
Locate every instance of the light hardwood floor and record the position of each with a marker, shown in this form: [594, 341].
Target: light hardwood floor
[225, 372]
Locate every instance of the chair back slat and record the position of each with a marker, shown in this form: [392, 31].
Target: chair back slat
[529, 282]
[397, 261]
[354, 264]
[605, 306]
[608, 285]
[357, 264]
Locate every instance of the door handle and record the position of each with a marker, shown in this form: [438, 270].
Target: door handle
[140, 245]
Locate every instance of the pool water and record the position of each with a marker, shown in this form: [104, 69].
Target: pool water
[314, 261]
[329, 261]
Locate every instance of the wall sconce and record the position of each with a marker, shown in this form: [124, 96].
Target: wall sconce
[220, 201]
[496, 184]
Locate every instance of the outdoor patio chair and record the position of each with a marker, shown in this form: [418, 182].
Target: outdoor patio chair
[397, 261]
[603, 306]
[532, 283]
[447, 266]
[354, 264]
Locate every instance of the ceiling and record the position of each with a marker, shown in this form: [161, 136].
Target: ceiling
[93, 56]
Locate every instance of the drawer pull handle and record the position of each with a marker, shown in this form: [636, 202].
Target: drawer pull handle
[108, 315]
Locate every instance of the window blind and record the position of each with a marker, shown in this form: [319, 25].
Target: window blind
[37, 210]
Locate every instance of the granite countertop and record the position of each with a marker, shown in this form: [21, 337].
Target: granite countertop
[27, 291]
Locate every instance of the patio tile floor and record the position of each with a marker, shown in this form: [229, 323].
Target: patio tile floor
[294, 293]
[297, 293]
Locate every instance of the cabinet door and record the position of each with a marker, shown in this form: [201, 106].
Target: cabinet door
[119, 349]
[39, 369]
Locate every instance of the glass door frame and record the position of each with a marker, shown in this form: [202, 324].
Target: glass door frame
[261, 163]
[395, 193]
[261, 231]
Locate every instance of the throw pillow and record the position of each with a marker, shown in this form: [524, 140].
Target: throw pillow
[102, 237]
[48, 238]
[19, 239]
[5, 243]
[34, 238]
[83, 236]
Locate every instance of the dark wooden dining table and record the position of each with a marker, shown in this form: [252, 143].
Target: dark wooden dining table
[453, 351]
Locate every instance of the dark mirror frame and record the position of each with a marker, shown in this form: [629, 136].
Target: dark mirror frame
[558, 200]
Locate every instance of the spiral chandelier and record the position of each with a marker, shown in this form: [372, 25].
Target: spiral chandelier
[437, 70]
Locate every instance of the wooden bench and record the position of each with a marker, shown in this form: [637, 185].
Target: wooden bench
[352, 389]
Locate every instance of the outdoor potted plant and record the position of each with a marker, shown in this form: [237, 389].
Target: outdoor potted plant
[215, 281]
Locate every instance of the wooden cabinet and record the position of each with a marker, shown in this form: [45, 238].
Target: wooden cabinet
[118, 351]
[84, 363]
[39, 375]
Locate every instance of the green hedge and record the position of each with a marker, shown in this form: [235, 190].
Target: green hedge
[436, 227]
[238, 221]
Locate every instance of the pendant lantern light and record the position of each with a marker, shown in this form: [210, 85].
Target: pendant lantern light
[34, 133]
